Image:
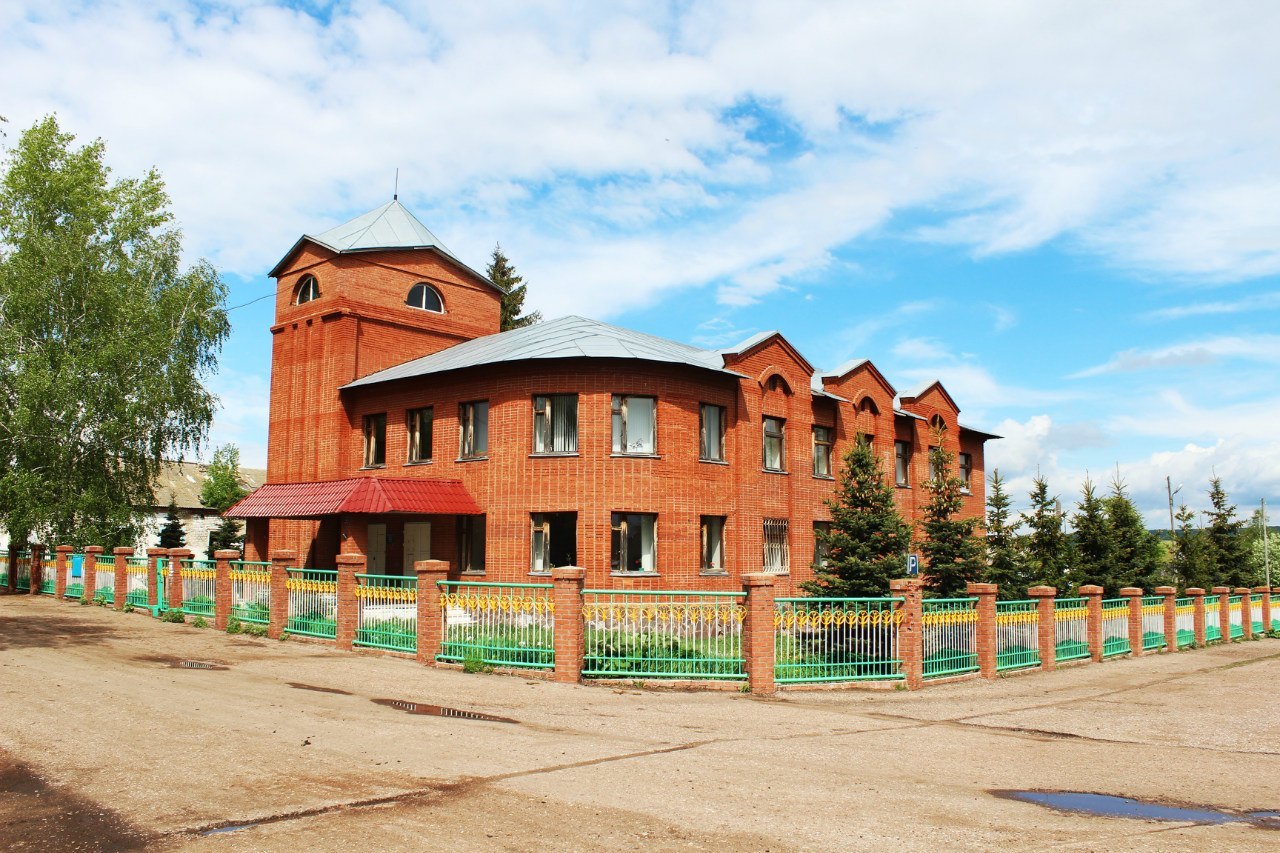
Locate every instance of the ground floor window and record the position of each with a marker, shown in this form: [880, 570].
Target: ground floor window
[634, 544]
[471, 538]
[713, 544]
[554, 541]
[777, 553]
[820, 549]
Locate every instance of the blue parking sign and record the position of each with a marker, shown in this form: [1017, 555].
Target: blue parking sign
[913, 564]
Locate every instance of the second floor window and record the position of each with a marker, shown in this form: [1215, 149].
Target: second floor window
[711, 433]
[555, 423]
[966, 473]
[902, 462]
[774, 456]
[633, 424]
[822, 440]
[418, 425]
[375, 440]
[473, 429]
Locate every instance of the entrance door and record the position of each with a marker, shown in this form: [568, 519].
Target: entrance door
[376, 559]
[417, 543]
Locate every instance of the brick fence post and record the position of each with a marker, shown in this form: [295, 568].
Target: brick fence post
[11, 566]
[1170, 616]
[120, 596]
[1046, 629]
[63, 571]
[89, 572]
[1224, 612]
[757, 633]
[430, 611]
[1246, 612]
[1134, 594]
[985, 630]
[1198, 622]
[174, 582]
[349, 565]
[1093, 624]
[910, 629]
[153, 576]
[281, 563]
[1266, 608]
[568, 583]
[37, 569]
[222, 587]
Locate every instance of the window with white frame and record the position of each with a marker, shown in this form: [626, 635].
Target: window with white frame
[634, 543]
[966, 473]
[418, 424]
[774, 449]
[471, 543]
[634, 424]
[935, 470]
[426, 297]
[375, 440]
[554, 541]
[820, 548]
[902, 462]
[473, 429]
[712, 528]
[777, 552]
[308, 289]
[555, 423]
[710, 433]
[823, 438]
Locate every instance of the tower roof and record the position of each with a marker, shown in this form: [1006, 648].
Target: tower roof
[385, 228]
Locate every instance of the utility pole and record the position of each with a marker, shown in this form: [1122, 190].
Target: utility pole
[1266, 557]
[1168, 485]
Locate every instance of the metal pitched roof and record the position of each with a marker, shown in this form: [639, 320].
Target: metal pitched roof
[566, 337]
[358, 495]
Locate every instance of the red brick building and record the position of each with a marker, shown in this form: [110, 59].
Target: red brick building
[404, 426]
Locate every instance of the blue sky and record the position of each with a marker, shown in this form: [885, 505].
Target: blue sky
[1063, 210]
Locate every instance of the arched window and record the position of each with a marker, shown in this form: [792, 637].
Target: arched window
[308, 289]
[424, 296]
[869, 405]
[938, 423]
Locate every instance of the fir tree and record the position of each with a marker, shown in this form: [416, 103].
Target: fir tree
[1137, 550]
[1191, 565]
[1094, 544]
[1048, 549]
[1224, 544]
[503, 274]
[172, 535]
[1006, 565]
[867, 542]
[951, 552]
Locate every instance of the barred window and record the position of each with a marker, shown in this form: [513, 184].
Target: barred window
[774, 451]
[822, 440]
[555, 423]
[634, 424]
[710, 433]
[634, 545]
[473, 429]
[375, 440]
[712, 528]
[418, 426]
[777, 553]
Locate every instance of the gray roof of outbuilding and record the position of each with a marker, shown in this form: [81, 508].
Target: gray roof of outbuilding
[566, 337]
[388, 227]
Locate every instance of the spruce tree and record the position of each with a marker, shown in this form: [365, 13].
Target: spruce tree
[1094, 544]
[1049, 550]
[867, 542]
[503, 274]
[1226, 548]
[1006, 565]
[952, 554]
[1191, 565]
[1137, 550]
[172, 535]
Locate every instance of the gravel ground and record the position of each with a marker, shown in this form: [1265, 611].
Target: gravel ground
[106, 744]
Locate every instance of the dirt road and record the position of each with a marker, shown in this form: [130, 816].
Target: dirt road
[106, 744]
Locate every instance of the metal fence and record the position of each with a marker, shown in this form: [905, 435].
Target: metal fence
[251, 591]
[1212, 620]
[1153, 622]
[1235, 612]
[1255, 614]
[498, 624]
[313, 603]
[49, 577]
[1017, 635]
[663, 634]
[4, 568]
[104, 579]
[387, 612]
[1115, 627]
[197, 578]
[74, 588]
[949, 635]
[136, 572]
[1185, 611]
[836, 639]
[1070, 629]
[20, 565]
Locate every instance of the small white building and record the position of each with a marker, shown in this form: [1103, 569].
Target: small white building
[181, 482]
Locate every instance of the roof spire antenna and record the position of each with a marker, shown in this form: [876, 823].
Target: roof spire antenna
[395, 193]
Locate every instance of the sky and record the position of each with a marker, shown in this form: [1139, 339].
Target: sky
[1065, 211]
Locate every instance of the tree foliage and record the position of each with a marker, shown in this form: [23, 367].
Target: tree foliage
[1048, 548]
[172, 535]
[222, 486]
[1006, 563]
[866, 545]
[502, 273]
[1094, 545]
[104, 342]
[1224, 543]
[1190, 563]
[952, 554]
[1137, 552]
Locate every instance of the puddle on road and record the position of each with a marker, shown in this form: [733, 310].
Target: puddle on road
[439, 711]
[1106, 805]
[218, 830]
[297, 686]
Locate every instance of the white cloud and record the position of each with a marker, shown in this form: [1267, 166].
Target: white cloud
[1258, 348]
[1258, 302]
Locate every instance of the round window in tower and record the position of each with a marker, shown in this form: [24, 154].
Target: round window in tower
[426, 297]
[308, 289]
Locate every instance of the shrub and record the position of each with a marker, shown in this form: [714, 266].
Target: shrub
[173, 615]
[473, 661]
[256, 630]
[199, 622]
[233, 625]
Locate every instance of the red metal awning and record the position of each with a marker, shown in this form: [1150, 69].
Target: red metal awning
[369, 495]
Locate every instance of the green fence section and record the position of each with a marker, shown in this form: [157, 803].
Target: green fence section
[1070, 629]
[49, 577]
[251, 591]
[1255, 614]
[136, 571]
[1185, 609]
[74, 589]
[197, 578]
[387, 612]
[1212, 619]
[498, 624]
[949, 635]
[663, 634]
[1017, 635]
[20, 565]
[1235, 610]
[1153, 623]
[836, 639]
[4, 568]
[313, 603]
[1115, 627]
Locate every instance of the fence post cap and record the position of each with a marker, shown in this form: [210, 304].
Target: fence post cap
[181, 552]
[1262, 589]
[123, 551]
[975, 588]
[157, 552]
[1042, 591]
[93, 549]
[431, 567]
[1221, 590]
[1194, 591]
[1091, 589]
[227, 554]
[1165, 590]
[757, 579]
[1130, 591]
[1243, 590]
[568, 573]
[350, 559]
[283, 555]
[65, 549]
[906, 584]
